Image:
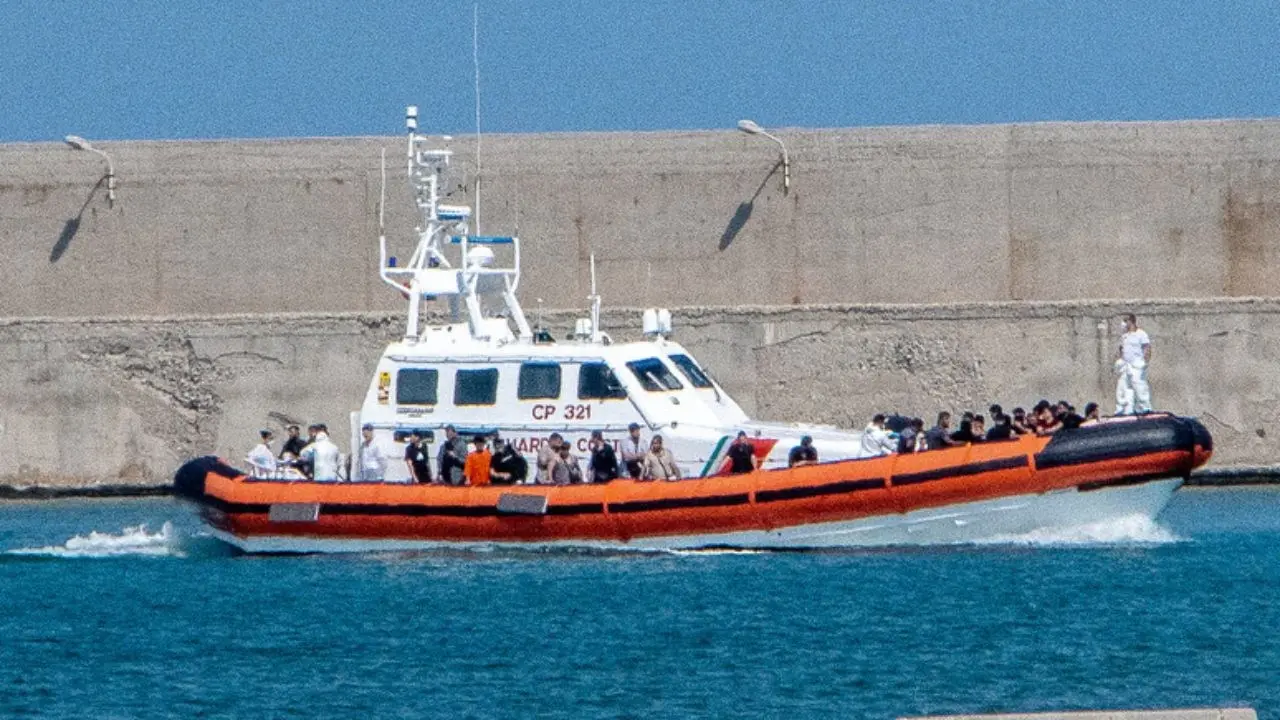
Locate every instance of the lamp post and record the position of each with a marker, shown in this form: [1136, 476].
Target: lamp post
[79, 143]
[751, 128]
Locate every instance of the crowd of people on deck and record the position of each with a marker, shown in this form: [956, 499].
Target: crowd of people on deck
[318, 458]
[491, 460]
[885, 435]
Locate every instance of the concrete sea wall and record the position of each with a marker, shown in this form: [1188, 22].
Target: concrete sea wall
[125, 401]
[232, 284]
[1054, 211]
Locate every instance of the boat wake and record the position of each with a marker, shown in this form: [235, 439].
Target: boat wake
[1130, 530]
[134, 541]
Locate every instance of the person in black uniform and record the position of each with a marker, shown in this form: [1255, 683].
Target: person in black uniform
[508, 467]
[803, 454]
[293, 446]
[603, 465]
[742, 455]
[417, 458]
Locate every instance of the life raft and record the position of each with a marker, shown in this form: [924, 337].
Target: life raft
[1117, 468]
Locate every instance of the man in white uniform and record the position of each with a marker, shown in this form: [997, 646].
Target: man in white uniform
[1133, 394]
[373, 463]
[324, 456]
[876, 440]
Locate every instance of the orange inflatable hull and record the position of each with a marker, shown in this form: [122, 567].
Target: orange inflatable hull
[1087, 459]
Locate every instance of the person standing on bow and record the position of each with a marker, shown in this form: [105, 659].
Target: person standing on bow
[1133, 394]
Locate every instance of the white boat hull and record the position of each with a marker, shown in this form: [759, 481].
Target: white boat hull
[982, 521]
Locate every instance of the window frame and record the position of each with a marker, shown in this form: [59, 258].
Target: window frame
[461, 373]
[633, 366]
[521, 394]
[435, 386]
[698, 377]
[620, 390]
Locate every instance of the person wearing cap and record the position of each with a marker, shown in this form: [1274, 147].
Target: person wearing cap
[603, 465]
[452, 459]
[633, 452]
[508, 467]
[261, 459]
[373, 462]
[478, 462]
[416, 458]
[803, 454]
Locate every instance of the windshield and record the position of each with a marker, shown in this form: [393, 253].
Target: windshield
[654, 375]
[691, 370]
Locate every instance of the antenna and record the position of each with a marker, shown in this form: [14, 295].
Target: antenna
[475, 62]
[382, 197]
[595, 303]
[382, 226]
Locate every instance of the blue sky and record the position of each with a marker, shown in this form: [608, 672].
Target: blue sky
[116, 69]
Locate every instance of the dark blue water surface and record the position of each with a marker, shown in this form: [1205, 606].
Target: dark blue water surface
[161, 622]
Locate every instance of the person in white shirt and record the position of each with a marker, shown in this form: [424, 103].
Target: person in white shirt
[1133, 394]
[373, 462]
[876, 440]
[633, 452]
[324, 457]
[261, 458]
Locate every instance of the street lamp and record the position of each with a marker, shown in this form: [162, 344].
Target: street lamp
[751, 128]
[79, 143]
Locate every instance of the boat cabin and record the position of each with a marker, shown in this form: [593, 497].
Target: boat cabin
[486, 371]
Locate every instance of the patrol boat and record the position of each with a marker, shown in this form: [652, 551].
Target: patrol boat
[488, 371]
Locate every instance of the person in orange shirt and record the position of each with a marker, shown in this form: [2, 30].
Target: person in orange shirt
[476, 470]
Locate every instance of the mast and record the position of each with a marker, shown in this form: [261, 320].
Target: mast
[448, 262]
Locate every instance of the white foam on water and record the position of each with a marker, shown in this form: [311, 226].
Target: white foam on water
[1129, 530]
[132, 541]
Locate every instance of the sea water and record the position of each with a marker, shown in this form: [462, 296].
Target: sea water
[126, 609]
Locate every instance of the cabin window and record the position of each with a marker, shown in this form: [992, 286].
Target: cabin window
[596, 381]
[691, 370]
[416, 387]
[654, 375]
[476, 387]
[539, 380]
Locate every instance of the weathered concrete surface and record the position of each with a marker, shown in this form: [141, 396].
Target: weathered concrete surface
[905, 215]
[125, 401]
